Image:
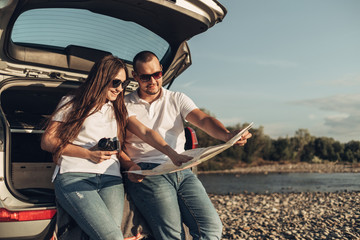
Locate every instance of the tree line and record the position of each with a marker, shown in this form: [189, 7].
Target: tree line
[302, 147]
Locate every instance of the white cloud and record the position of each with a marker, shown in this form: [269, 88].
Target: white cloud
[349, 104]
[236, 59]
[231, 121]
[279, 129]
[188, 84]
[347, 125]
[338, 117]
[343, 120]
[276, 63]
[343, 81]
[312, 116]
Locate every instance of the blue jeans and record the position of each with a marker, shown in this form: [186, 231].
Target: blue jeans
[95, 201]
[170, 199]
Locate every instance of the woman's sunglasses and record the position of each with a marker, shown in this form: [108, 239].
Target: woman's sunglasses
[147, 77]
[116, 83]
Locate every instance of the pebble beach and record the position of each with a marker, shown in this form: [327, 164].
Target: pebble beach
[297, 215]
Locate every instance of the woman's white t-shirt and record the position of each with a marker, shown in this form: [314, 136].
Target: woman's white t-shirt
[98, 125]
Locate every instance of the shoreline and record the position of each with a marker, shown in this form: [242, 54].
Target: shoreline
[300, 167]
[294, 215]
[315, 215]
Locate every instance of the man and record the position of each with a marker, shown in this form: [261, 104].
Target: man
[170, 199]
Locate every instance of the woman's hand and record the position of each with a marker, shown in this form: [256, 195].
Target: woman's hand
[136, 178]
[100, 156]
[179, 159]
[155, 140]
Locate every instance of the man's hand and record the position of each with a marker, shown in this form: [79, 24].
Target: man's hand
[136, 178]
[179, 159]
[244, 138]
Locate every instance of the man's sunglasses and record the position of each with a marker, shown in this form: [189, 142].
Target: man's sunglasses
[116, 83]
[147, 77]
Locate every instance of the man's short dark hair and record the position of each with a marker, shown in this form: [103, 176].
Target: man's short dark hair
[144, 56]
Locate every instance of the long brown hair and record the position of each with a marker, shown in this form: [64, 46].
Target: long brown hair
[89, 98]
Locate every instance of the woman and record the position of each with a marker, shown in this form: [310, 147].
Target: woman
[88, 183]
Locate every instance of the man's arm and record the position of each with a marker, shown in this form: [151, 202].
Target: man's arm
[155, 140]
[214, 127]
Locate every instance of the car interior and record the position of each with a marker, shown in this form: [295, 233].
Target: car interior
[26, 109]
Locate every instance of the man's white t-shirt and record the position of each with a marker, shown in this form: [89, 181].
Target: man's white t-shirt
[98, 125]
[165, 116]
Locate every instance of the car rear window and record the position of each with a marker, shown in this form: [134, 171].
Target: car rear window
[60, 27]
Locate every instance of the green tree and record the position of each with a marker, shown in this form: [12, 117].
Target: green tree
[352, 147]
[301, 139]
[302, 147]
[308, 152]
[282, 149]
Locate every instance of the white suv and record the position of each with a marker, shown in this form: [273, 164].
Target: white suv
[47, 48]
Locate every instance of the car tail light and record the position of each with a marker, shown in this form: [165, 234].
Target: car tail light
[191, 139]
[32, 215]
[137, 237]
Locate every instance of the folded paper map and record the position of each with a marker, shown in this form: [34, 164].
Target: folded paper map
[199, 155]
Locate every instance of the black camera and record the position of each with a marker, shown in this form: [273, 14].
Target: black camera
[109, 144]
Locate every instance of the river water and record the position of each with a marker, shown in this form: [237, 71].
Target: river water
[280, 182]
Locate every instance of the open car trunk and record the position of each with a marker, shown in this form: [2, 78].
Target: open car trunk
[26, 106]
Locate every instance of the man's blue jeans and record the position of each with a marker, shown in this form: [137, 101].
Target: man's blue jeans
[170, 199]
[95, 201]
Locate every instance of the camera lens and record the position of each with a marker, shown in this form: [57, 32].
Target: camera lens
[104, 144]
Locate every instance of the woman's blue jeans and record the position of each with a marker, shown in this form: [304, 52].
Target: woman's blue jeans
[95, 201]
[170, 199]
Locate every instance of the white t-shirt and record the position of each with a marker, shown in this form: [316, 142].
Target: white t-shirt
[165, 116]
[98, 125]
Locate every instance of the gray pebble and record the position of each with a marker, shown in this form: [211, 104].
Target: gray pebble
[289, 215]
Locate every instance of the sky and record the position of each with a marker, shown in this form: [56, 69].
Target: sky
[284, 65]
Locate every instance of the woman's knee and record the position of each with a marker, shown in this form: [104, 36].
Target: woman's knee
[212, 230]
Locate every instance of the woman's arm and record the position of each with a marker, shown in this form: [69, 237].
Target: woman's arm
[49, 142]
[129, 165]
[155, 140]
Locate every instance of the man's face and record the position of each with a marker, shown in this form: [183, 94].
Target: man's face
[149, 76]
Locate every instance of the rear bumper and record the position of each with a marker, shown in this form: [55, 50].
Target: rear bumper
[40, 229]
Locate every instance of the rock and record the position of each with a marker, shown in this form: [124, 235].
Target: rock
[289, 215]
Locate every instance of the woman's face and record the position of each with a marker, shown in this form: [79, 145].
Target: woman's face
[113, 92]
